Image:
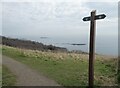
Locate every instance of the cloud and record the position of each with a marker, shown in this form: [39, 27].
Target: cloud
[59, 1]
[108, 8]
[47, 18]
[0, 18]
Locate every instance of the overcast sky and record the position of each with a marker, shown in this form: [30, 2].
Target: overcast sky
[56, 18]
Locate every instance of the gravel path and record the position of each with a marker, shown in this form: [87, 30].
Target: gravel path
[25, 75]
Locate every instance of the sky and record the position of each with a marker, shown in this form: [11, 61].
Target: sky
[61, 22]
[56, 18]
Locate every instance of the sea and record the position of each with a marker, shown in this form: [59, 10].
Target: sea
[104, 45]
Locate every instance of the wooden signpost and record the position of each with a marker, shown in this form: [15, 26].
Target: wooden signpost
[92, 20]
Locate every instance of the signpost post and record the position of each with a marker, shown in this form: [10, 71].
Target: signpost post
[92, 20]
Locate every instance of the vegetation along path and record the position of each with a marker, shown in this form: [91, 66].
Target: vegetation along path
[25, 75]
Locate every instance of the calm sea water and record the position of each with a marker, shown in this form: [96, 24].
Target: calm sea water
[105, 45]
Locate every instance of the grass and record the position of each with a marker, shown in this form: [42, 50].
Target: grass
[6, 76]
[0, 76]
[68, 69]
[8, 79]
[119, 78]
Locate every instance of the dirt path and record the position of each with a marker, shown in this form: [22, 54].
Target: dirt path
[25, 75]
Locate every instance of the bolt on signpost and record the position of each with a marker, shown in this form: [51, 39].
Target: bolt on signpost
[92, 20]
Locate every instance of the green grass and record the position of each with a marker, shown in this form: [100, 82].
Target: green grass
[119, 78]
[0, 76]
[68, 69]
[8, 79]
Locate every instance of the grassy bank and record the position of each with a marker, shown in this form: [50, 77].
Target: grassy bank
[0, 76]
[68, 69]
[8, 78]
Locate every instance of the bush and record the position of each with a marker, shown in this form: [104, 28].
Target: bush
[119, 78]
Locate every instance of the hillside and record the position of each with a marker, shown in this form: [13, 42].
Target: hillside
[67, 69]
[27, 44]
